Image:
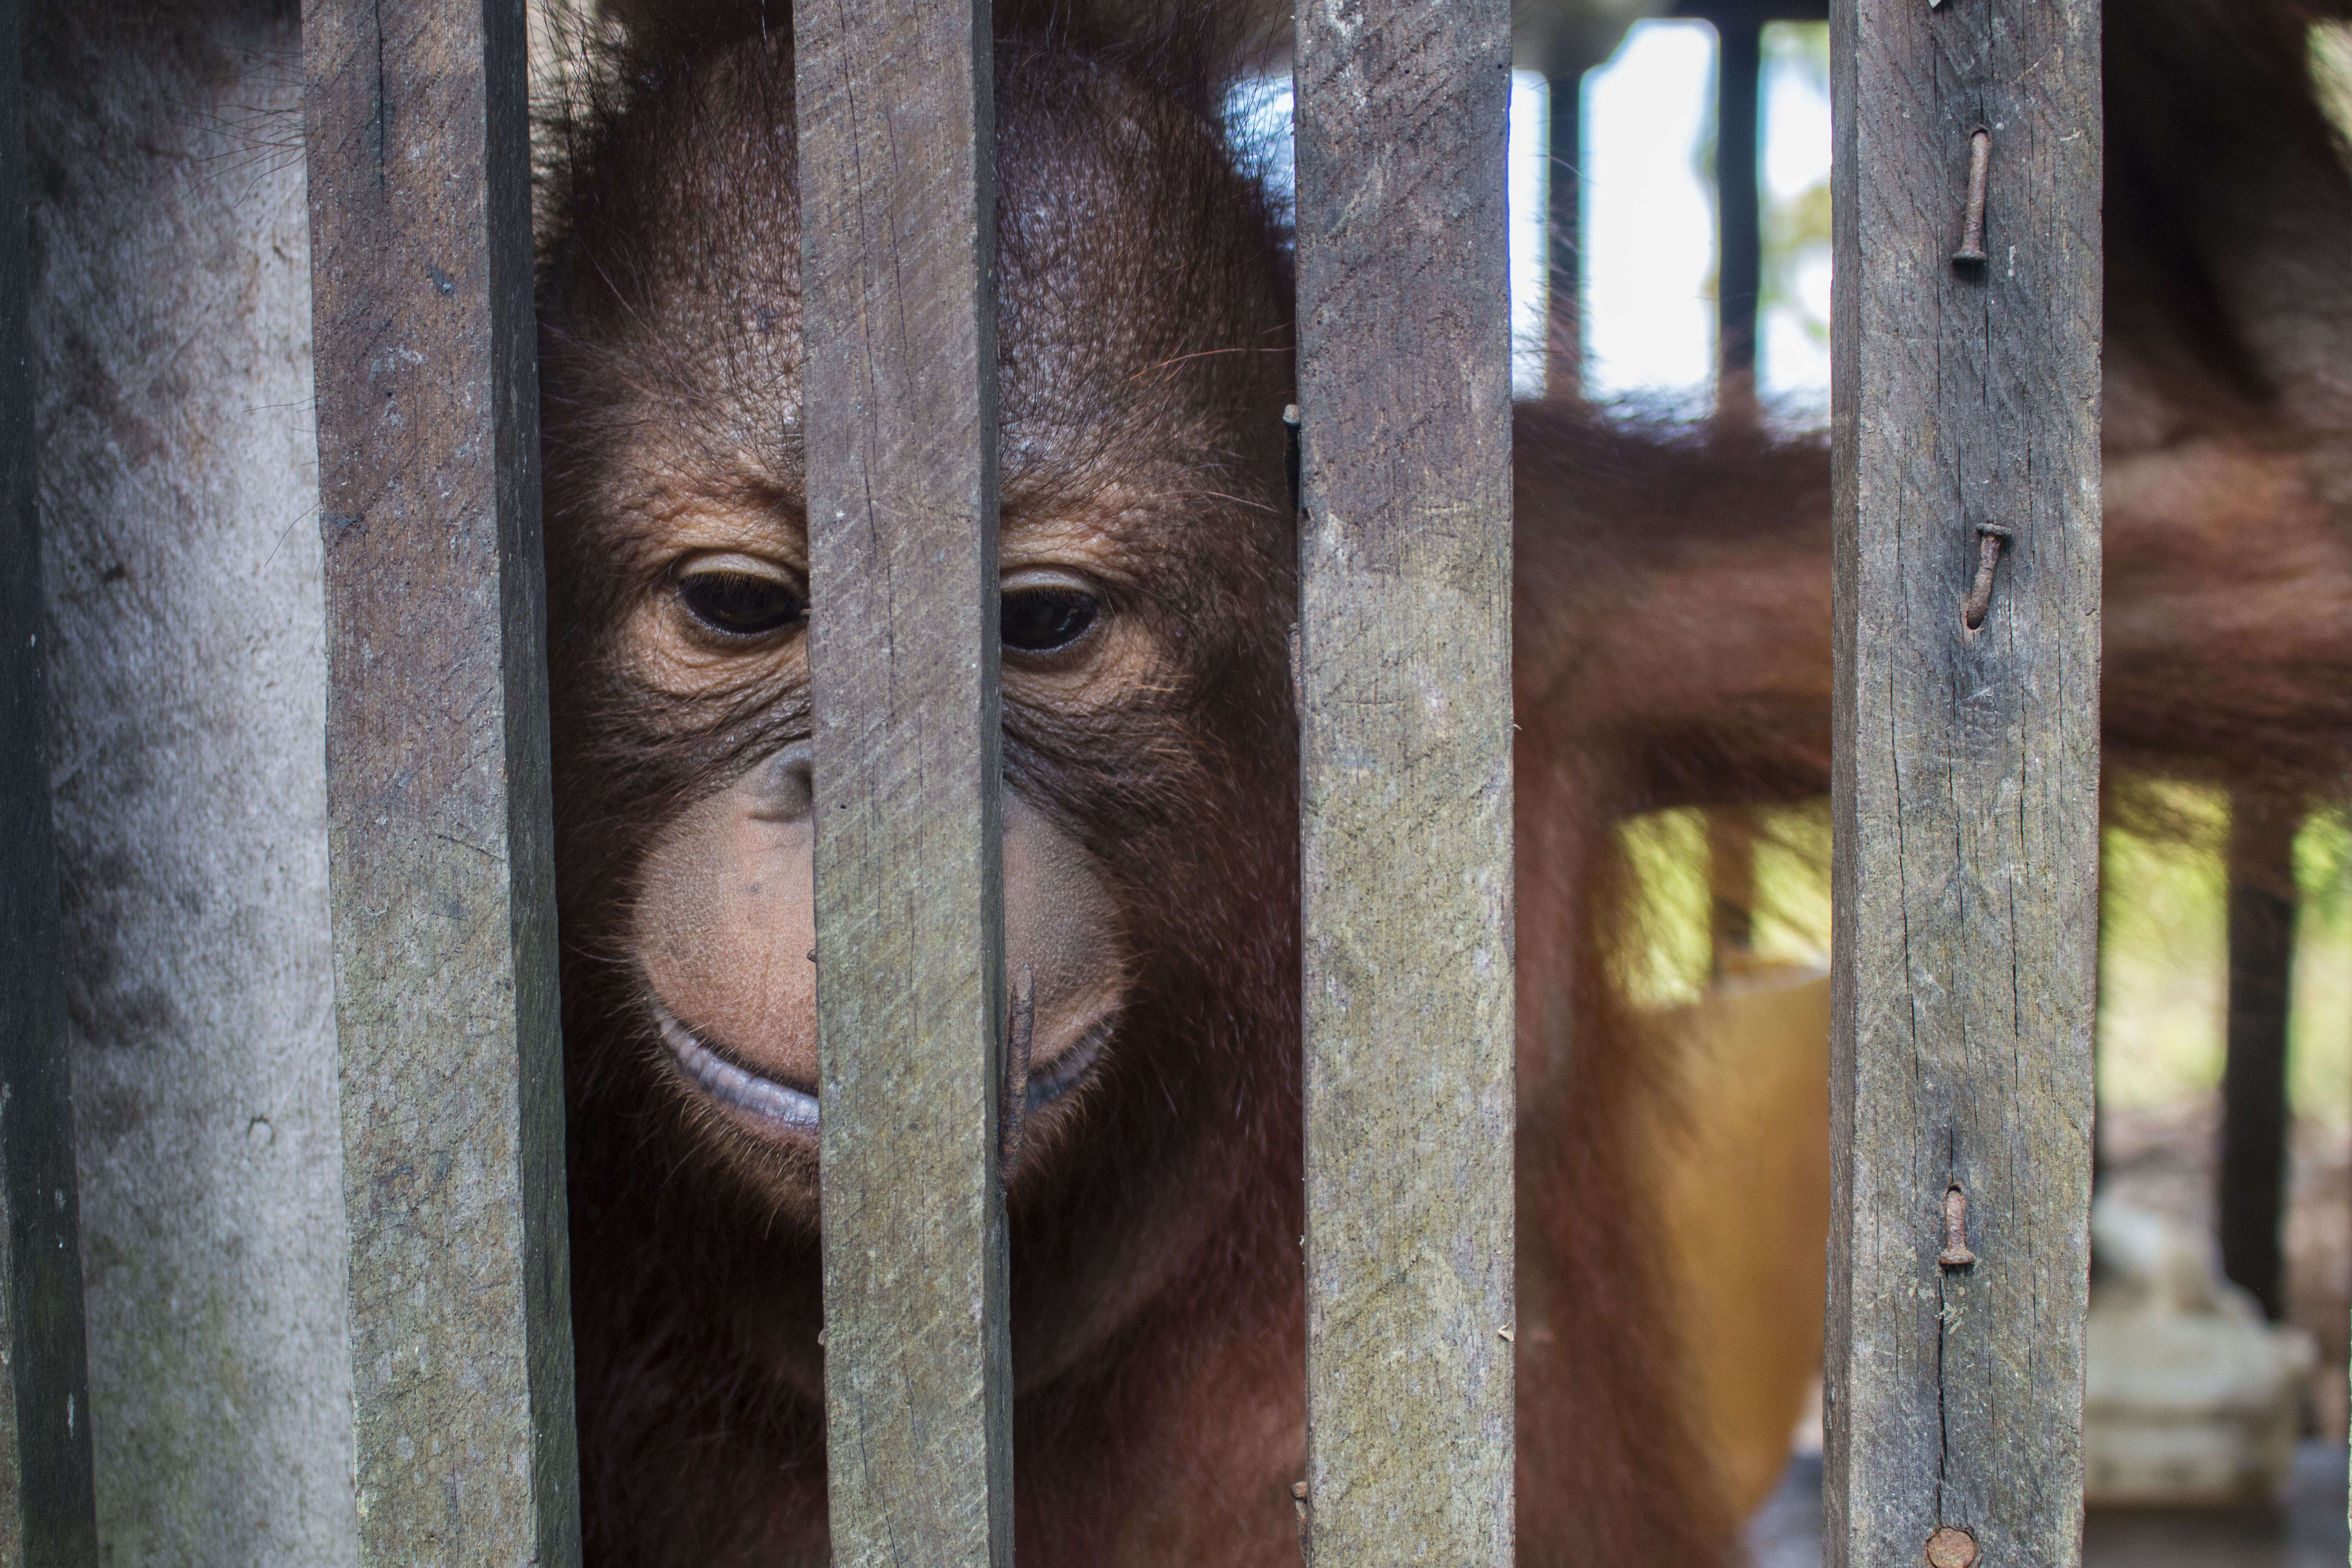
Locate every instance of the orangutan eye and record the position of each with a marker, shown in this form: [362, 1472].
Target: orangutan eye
[737, 596]
[1044, 614]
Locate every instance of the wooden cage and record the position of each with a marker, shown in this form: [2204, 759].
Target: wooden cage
[1968, 559]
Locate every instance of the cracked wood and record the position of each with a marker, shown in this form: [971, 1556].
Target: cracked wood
[1965, 777]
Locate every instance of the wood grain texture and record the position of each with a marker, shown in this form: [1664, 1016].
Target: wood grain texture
[186, 620]
[439, 827]
[1965, 777]
[47, 1505]
[1405, 788]
[897, 264]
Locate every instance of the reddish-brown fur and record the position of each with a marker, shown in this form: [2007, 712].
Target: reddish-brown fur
[1672, 648]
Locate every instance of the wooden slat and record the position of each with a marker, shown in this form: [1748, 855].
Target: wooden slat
[898, 241]
[46, 1518]
[441, 872]
[1405, 785]
[1966, 779]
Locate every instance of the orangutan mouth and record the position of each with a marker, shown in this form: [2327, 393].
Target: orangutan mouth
[780, 1104]
[792, 1108]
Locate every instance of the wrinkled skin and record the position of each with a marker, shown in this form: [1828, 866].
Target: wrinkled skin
[1672, 649]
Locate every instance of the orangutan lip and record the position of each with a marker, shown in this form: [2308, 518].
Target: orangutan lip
[794, 1109]
[1050, 1081]
[735, 1085]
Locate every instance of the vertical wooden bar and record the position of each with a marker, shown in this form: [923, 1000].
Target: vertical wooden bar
[897, 251]
[1731, 885]
[2251, 1190]
[1405, 779]
[1965, 780]
[46, 1516]
[441, 874]
[1739, 214]
[1564, 193]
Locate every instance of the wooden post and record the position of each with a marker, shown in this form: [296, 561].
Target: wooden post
[47, 1514]
[1405, 779]
[1739, 226]
[439, 828]
[1966, 423]
[897, 157]
[1564, 276]
[2251, 1186]
[1731, 885]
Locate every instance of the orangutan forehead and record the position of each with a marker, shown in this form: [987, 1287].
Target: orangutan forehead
[1089, 322]
[1130, 256]
[664, 478]
[1090, 387]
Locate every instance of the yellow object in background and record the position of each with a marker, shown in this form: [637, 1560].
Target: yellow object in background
[1743, 1173]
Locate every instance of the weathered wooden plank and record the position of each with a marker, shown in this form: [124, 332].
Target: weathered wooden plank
[187, 611]
[47, 1517]
[1405, 779]
[439, 831]
[897, 265]
[1966, 778]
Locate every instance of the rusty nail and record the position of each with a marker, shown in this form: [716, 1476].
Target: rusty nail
[1991, 537]
[1951, 1548]
[1979, 166]
[1291, 427]
[1019, 1028]
[1955, 1253]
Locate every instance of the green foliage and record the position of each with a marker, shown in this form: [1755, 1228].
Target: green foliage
[1669, 854]
[2331, 72]
[1796, 229]
[1670, 963]
[2319, 1029]
[2164, 936]
[2163, 960]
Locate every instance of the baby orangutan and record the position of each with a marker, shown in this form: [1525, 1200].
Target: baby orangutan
[1672, 648]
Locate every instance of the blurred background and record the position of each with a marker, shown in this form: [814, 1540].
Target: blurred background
[1670, 195]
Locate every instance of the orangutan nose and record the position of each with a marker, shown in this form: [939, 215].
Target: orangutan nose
[783, 788]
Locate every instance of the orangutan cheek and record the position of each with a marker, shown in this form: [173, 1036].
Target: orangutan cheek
[726, 919]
